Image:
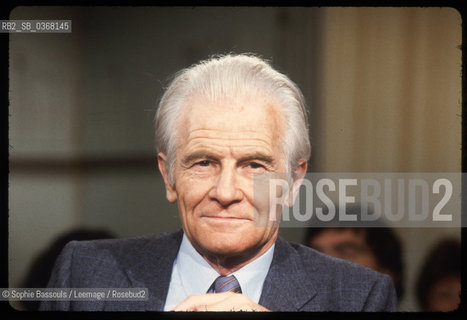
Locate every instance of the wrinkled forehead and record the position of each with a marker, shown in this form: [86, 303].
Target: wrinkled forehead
[233, 117]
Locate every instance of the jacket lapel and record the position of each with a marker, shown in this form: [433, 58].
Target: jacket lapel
[287, 286]
[154, 270]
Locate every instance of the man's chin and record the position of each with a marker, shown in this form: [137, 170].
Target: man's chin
[225, 246]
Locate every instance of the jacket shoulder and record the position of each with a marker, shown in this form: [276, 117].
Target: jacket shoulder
[105, 263]
[346, 286]
[121, 263]
[124, 249]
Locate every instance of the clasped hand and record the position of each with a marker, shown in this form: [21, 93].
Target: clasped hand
[226, 301]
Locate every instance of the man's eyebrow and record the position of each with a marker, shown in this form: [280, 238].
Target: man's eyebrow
[206, 155]
[258, 157]
[197, 155]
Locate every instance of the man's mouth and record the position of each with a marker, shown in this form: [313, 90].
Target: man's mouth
[225, 218]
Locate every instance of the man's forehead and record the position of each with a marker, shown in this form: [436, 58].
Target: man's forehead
[232, 119]
[233, 103]
[229, 134]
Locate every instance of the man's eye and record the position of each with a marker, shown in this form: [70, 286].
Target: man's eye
[254, 165]
[204, 163]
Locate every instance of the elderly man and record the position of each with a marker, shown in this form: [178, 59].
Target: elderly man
[219, 124]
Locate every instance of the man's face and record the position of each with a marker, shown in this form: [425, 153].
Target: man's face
[221, 146]
[347, 244]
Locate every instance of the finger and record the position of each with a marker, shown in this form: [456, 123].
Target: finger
[195, 302]
[240, 303]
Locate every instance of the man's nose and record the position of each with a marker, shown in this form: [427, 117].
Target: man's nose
[226, 191]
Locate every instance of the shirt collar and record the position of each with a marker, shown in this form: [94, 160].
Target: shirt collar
[197, 275]
[251, 277]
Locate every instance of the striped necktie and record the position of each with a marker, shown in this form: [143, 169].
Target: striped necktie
[224, 284]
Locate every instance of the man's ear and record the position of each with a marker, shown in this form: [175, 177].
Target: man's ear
[170, 192]
[297, 178]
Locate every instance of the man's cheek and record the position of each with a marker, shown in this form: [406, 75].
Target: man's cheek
[195, 190]
[269, 199]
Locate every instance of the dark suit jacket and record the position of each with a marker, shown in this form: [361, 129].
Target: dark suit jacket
[299, 279]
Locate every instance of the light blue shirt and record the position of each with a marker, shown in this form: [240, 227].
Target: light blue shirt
[191, 274]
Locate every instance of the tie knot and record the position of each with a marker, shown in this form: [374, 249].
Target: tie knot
[224, 284]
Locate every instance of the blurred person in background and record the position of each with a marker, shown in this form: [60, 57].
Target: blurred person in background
[377, 248]
[439, 282]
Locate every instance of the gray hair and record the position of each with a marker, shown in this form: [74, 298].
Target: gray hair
[227, 76]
